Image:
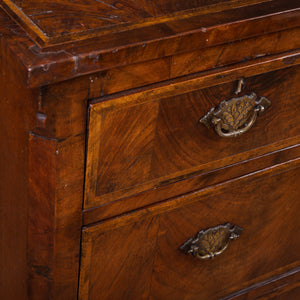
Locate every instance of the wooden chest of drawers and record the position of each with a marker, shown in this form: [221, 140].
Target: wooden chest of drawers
[150, 149]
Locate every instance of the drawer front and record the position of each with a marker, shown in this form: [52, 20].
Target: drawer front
[134, 146]
[140, 256]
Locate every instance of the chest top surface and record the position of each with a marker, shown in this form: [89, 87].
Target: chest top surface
[58, 40]
[53, 22]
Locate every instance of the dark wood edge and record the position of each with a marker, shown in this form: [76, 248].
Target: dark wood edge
[41, 215]
[275, 282]
[173, 203]
[24, 21]
[85, 263]
[54, 234]
[196, 81]
[277, 277]
[61, 62]
[111, 81]
[84, 63]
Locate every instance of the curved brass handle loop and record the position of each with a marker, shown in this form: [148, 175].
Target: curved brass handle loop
[218, 126]
[236, 116]
[211, 242]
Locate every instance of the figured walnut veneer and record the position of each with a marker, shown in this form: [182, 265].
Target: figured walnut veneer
[52, 22]
[148, 263]
[106, 171]
[162, 141]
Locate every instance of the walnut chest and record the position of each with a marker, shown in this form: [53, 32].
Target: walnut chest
[149, 149]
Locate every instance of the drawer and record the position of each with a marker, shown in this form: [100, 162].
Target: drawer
[145, 140]
[144, 255]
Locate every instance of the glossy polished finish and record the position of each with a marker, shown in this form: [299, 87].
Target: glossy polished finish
[50, 21]
[106, 173]
[162, 140]
[215, 27]
[148, 263]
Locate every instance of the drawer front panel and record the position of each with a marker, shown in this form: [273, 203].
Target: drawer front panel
[161, 140]
[139, 257]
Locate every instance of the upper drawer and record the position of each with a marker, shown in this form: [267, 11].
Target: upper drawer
[148, 139]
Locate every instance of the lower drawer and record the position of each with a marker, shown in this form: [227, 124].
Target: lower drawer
[138, 256]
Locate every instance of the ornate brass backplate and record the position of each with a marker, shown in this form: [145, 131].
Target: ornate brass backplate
[211, 242]
[236, 116]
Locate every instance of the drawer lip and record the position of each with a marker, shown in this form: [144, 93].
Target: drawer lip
[125, 78]
[149, 96]
[278, 279]
[194, 196]
[139, 201]
[197, 81]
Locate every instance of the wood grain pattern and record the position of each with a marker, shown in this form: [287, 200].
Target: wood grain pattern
[177, 145]
[17, 115]
[248, 49]
[56, 171]
[60, 114]
[60, 21]
[136, 250]
[135, 141]
[41, 223]
[65, 61]
[141, 74]
[54, 224]
[254, 204]
[185, 184]
[282, 286]
[148, 71]
[199, 80]
[290, 292]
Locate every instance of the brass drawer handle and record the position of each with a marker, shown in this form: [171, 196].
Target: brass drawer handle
[236, 116]
[211, 242]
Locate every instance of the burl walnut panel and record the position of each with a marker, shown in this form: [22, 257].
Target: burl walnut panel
[137, 256]
[137, 147]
